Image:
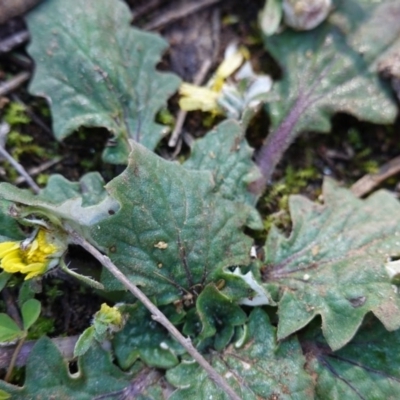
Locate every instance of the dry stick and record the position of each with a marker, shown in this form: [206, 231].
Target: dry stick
[65, 346]
[157, 315]
[370, 181]
[14, 83]
[14, 357]
[198, 79]
[39, 169]
[20, 169]
[14, 40]
[146, 8]
[182, 12]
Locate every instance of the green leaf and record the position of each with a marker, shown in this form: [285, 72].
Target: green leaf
[324, 75]
[4, 395]
[260, 369]
[224, 151]
[81, 204]
[30, 311]
[172, 232]
[144, 338]
[333, 263]
[98, 71]
[9, 330]
[4, 278]
[86, 339]
[9, 229]
[218, 315]
[367, 368]
[90, 187]
[270, 17]
[47, 375]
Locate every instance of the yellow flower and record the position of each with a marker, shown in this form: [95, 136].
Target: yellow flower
[206, 98]
[31, 257]
[109, 315]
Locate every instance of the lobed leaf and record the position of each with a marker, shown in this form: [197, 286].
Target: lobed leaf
[172, 232]
[144, 338]
[323, 74]
[367, 368]
[260, 369]
[97, 71]
[333, 263]
[81, 204]
[47, 376]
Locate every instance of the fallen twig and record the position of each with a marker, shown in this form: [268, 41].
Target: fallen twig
[65, 345]
[20, 169]
[370, 181]
[157, 315]
[177, 14]
[39, 169]
[146, 8]
[14, 83]
[13, 41]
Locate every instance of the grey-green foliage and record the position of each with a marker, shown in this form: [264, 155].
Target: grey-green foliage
[333, 263]
[98, 71]
[367, 368]
[258, 369]
[225, 152]
[172, 231]
[47, 375]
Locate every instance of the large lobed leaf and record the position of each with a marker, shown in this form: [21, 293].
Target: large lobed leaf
[81, 204]
[172, 234]
[47, 376]
[367, 368]
[325, 71]
[258, 368]
[333, 263]
[98, 71]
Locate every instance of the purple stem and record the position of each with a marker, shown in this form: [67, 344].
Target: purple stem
[276, 144]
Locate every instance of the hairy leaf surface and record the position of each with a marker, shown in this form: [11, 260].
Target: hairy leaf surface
[144, 338]
[323, 74]
[367, 368]
[224, 151]
[333, 263]
[259, 369]
[81, 204]
[98, 71]
[172, 233]
[47, 376]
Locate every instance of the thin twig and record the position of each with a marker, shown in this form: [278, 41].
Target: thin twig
[180, 120]
[20, 169]
[39, 169]
[146, 8]
[175, 15]
[13, 41]
[370, 181]
[14, 83]
[14, 357]
[65, 345]
[36, 119]
[157, 315]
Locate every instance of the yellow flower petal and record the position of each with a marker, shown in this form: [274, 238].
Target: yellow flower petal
[31, 257]
[7, 247]
[198, 98]
[230, 65]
